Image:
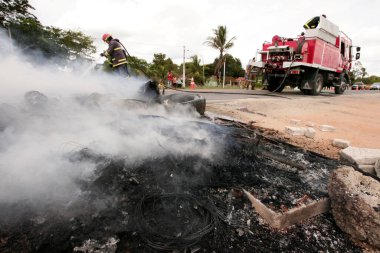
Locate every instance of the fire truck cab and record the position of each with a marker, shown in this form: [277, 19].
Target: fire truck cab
[319, 57]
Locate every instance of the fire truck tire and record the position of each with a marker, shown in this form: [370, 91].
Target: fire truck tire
[306, 92]
[274, 84]
[317, 85]
[340, 89]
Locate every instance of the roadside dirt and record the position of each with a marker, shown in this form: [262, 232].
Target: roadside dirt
[355, 116]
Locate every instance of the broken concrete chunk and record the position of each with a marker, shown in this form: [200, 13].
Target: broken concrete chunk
[327, 128]
[295, 122]
[368, 168]
[295, 130]
[377, 168]
[310, 132]
[360, 156]
[355, 203]
[340, 143]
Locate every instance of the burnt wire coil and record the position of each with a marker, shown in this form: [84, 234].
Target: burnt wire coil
[173, 221]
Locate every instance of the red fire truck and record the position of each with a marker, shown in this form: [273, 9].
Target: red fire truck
[320, 57]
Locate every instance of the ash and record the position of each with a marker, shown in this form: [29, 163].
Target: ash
[183, 203]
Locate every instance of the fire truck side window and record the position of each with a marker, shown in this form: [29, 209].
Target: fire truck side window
[342, 48]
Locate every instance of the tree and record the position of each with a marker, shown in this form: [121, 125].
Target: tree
[160, 67]
[233, 67]
[139, 66]
[220, 42]
[31, 36]
[12, 10]
[195, 69]
[359, 72]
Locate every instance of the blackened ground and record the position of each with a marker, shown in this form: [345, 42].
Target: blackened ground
[109, 210]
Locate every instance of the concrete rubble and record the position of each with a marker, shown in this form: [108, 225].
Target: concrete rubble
[327, 128]
[377, 168]
[367, 168]
[295, 131]
[295, 122]
[340, 143]
[360, 156]
[355, 204]
[310, 132]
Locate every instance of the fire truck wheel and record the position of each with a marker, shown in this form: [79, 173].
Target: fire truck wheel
[274, 84]
[306, 92]
[343, 84]
[317, 85]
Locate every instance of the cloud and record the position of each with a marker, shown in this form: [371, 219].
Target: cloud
[149, 27]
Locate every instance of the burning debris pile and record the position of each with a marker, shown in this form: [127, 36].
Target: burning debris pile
[174, 198]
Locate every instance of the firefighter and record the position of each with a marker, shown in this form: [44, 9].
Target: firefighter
[116, 55]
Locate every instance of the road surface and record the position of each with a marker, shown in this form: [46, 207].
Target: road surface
[354, 114]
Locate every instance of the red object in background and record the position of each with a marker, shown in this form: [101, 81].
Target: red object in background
[318, 58]
[170, 76]
[192, 84]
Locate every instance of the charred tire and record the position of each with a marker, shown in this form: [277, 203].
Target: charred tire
[194, 100]
[317, 85]
[341, 88]
[275, 84]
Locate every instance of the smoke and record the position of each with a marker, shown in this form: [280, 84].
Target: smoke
[49, 112]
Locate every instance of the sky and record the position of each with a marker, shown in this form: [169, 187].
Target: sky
[165, 26]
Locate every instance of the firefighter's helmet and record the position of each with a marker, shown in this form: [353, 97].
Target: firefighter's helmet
[106, 36]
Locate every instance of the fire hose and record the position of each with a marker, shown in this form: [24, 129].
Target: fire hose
[127, 54]
[285, 76]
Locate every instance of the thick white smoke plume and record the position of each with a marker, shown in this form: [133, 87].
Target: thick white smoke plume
[71, 110]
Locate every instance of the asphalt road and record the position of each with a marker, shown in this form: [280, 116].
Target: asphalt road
[231, 94]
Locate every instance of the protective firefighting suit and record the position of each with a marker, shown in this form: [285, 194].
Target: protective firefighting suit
[117, 57]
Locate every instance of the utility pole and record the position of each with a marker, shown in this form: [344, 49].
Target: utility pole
[224, 72]
[184, 68]
[203, 64]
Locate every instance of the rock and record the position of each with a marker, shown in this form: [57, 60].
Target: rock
[367, 168]
[377, 168]
[327, 128]
[355, 204]
[360, 156]
[340, 143]
[310, 124]
[295, 130]
[310, 132]
[295, 122]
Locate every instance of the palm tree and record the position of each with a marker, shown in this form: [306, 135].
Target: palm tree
[219, 41]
